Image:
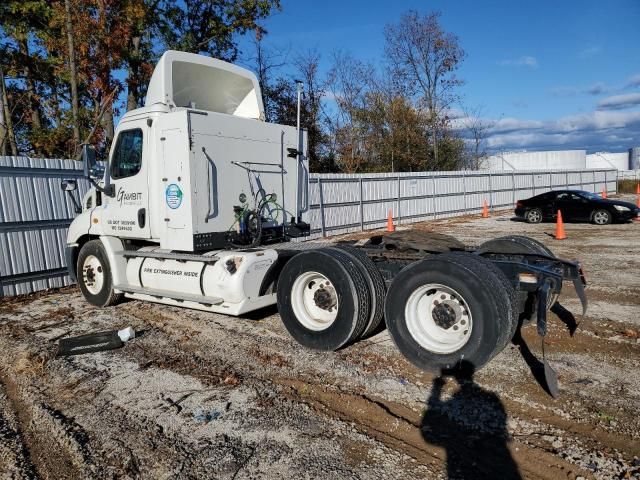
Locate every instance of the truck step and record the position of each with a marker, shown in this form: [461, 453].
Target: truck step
[180, 297]
[185, 257]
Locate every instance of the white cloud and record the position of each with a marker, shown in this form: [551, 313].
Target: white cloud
[591, 51]
[598, 130]
[596, 89]
[525, 61]
[633, 81]
[618, 102]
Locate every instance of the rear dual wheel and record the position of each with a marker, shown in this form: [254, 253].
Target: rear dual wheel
[450, 308]
[324, 298]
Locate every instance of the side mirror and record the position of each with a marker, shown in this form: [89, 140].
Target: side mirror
[69, 185]
[93, 171]
[89, 160]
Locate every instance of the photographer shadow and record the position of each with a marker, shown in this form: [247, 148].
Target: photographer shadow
[471, 426]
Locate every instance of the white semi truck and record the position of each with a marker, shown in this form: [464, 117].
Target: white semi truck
[200, 196]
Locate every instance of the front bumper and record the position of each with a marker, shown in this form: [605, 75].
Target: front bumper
[627, 216]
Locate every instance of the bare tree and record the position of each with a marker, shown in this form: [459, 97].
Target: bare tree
[426, 57]
[348, 81]
[265, 62]
[478, 128]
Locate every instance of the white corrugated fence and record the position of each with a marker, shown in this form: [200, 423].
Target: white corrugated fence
[35, 212]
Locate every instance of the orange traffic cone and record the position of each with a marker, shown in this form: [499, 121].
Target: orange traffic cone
[638, 189]
[485, 209]
[560, 233]
[390, 226]
[604, 193]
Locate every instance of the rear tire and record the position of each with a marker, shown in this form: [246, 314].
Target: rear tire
[533, 216]
[520, 244]
[94, 275]
[377, 287]
[428, 299]
[601, 217]
[323, 299]
[515, 244]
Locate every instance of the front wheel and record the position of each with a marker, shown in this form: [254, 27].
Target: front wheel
[450, 308]
[94, 275]
[601, 217]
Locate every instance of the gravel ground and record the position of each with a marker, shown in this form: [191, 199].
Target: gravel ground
[200, 395]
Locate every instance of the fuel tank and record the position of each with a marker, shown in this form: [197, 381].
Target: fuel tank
[234, 276]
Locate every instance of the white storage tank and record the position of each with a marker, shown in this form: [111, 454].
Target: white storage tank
[547, 160]
[619, 161]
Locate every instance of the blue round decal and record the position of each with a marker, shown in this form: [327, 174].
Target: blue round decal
[174, 196]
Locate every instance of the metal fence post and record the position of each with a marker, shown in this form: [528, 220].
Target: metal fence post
[581, 181]
[464, 192]
[433, 195]
[490, 192]
[322, 225]
[513, 187]
[361, 207]
[566, 180]
[399, 213]
[533, 183]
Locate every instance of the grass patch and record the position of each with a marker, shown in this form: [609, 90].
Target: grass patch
[627, 186]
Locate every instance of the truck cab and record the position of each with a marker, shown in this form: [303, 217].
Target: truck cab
[185, 169]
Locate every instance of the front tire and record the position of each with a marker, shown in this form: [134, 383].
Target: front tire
[94, 275]
[450, 308]
[601, 217]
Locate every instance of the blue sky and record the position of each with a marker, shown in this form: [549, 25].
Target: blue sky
[553, 74]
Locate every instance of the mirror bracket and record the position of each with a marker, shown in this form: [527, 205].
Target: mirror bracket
[88, 160]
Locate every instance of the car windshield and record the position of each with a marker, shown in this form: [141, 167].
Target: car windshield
[589, 195]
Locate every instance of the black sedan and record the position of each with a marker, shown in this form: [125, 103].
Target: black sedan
[575, 205]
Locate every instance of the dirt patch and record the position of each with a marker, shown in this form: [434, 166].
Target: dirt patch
[200, 395]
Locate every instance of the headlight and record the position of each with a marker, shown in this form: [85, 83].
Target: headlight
[620, 208]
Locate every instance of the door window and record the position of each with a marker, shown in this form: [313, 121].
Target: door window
[127, 156]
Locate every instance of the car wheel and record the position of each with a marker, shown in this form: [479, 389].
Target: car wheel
[601, 217]
[534, 215]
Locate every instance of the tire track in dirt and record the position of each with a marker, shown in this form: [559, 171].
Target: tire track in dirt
[396, 426]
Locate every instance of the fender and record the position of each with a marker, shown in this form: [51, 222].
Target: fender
[113, 247]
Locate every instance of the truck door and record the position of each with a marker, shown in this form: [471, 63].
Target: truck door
[126, 214]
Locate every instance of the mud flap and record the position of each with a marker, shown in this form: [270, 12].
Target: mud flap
[550, 375]
[579, 286]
